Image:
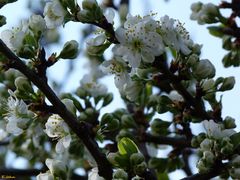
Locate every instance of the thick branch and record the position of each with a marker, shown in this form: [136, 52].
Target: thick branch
[173, 141]
[105, 169]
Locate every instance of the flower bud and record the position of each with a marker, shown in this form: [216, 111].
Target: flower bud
[111, 157]
[201, 165]
[194, 142]
[107, 99]
[236, 161]
[196, 7]
[204, 69]
[2, 20]
[81, 93]
[226, 146]
[37, 24]
[209, 157]
[229, 123]
[120, 174]
[208, 85]
[70, 50]
[83, 117]
[206, 144]
[235, 173]
[192, 60]
[90, 111]
[97, 50]
[108, 122]
[227, 43]
[228, 84]
[127, 121]
[57, 168]
[22, 84]
[89, 4]
[140, 168]
[136, 158]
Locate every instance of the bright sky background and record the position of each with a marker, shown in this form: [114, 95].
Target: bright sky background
[178, 9]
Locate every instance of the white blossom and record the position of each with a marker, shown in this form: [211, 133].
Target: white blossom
[3, 134]
[55, 165]
[54, 14]
[119, 68]
[204, 13]
[132, 90]
[93, 174]
[18, 115]
[45, 176]
[109, 14]
[37, 24]
[174, 35]
[58, 129]
[216, 131]
[92, 87]
[100, 37]
[138, 40]
[14, 38]
[175, 96]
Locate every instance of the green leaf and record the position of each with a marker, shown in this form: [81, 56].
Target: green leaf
[127, 147]
[164, 103]
[122, 161]
[162, 176]
[160, 164]
[216, 31]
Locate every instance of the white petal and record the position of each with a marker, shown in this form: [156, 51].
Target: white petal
[109, 14]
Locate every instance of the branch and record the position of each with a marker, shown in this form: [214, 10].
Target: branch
[105, 169]
[4, 143]
[4, 172]
[176, 84]
[173, 141]
[215, 171]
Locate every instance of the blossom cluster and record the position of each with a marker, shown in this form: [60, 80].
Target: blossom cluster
[217, 145]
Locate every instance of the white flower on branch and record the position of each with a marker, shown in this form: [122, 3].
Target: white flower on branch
[139, 40]
[18, 115]
[37, 24]
[216, 131]
[93, 175]
[58, 129]
[54, 14]
[45, 176]
[174, 35]
[56, 168]
[14, 38]
[89, 84]
[119, 68]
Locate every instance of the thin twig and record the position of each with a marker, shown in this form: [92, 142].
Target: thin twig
[173, 141]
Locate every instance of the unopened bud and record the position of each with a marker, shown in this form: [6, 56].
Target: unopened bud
[22, 84]
[136, 158]
[228, 84]
[89, 4]
[204, 69]
[120, 174]
[229, 123]
[70, 50]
